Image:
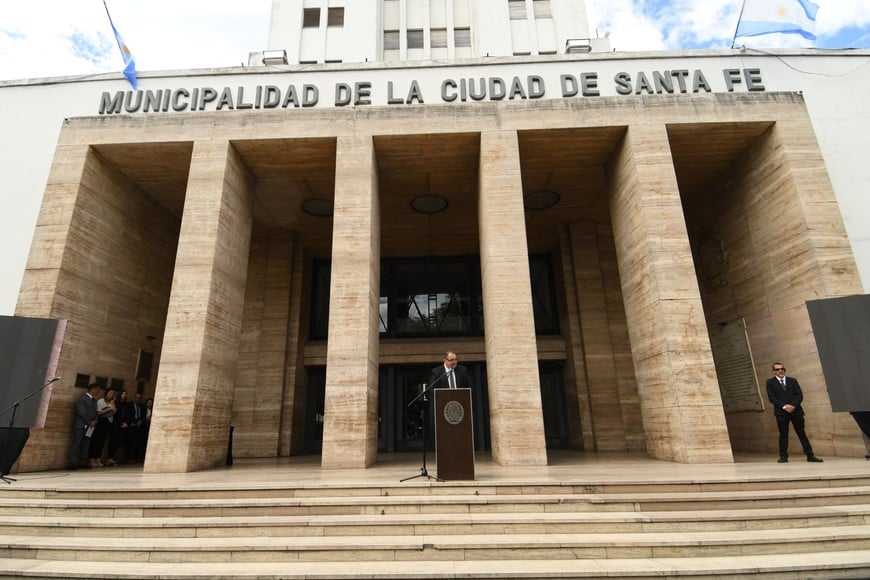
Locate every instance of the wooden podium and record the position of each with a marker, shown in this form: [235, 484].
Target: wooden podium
[454, 434]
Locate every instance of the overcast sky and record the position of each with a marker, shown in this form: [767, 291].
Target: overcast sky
[73, 37]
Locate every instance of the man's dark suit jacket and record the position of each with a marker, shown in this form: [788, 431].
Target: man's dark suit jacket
[791, 395]
[463, 380]
[86, 411]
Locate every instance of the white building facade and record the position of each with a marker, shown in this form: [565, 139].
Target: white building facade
[332, 31]
[588, 221]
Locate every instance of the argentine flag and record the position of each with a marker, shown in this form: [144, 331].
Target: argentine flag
[129, 63]
[783, 16]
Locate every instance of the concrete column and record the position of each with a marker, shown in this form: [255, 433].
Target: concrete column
[194, 394]
[350, 430]
[679, 394]
[516, 419]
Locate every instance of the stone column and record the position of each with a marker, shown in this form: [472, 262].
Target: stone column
[260, 378]
[350, 430]
[591, 300]
[516, 418]
[679, 394]
[194, 393]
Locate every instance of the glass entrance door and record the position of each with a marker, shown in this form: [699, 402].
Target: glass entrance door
[402, 412]
[402, 409]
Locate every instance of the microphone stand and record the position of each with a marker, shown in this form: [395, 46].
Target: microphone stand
[14, 409]
[423, 395]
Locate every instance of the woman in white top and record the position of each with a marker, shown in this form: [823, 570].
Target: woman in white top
[105, 415]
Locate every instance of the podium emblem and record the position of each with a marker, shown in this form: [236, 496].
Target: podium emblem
[454, 412]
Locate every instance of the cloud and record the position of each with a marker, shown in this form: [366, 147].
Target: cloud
[92, 49]
[676, 24]
[63, 37]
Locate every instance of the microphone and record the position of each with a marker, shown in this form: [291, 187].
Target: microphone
[436, 381]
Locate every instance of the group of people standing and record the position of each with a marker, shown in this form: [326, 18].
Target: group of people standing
[111, 426]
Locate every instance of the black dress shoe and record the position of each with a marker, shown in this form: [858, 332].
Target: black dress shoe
[782, 460]
[814, 459]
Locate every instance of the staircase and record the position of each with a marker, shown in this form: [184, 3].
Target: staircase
[777, 528]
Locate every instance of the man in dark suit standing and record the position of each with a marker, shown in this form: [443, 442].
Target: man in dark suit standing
[786, 396]
[85, 419]
[449, 374]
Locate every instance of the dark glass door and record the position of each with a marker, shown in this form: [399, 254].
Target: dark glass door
[403, 412]
[554, 406]
[411, 411]
[314, 400]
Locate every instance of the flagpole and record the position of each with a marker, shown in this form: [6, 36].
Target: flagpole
[112, 24]
[733, 39]
[129, 71]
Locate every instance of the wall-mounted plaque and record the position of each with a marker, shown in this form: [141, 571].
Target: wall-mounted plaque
[735, 367]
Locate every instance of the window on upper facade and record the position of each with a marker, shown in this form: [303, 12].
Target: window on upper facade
[462, 38]
[391, 40]
[517, 9]
[335, 16]
[311, 18]
[435, 297]
[438, 38]
[415, 39]
[542, 9]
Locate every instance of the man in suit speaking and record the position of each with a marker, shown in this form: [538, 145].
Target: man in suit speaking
[786, 397]
[449, 374]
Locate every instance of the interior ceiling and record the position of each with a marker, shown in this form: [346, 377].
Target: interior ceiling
[702, 152]
[569, 162]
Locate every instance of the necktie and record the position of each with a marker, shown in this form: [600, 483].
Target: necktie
[450, 379]
[782, 382]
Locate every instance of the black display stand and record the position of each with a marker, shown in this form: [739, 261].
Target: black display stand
[12, 438]
[424, 413]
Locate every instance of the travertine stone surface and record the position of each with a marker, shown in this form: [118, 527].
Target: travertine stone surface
[632, 417]
[101, 259]
[190, 427]
[604, 395]
[516, 421]
[260, 378]
[683, 419]
[293, 402]
[105, 245]
[351, 407]
[576, 383]
[779, 223]
[597, 342]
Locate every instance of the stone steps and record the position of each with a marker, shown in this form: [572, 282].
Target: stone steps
[453, 547]
[784, 528]
[434, 524]
[810, 565]
[421, 504]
